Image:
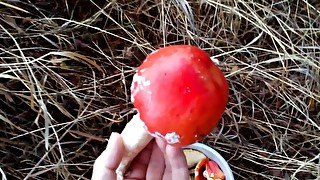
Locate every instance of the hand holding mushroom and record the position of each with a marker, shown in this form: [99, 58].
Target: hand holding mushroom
[180, 96]
[156, 161]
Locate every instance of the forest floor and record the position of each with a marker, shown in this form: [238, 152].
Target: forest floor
[66, 68]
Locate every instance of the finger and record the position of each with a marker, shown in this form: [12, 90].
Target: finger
[162, 144]
[107, 163]
[178, 163]
[156, 165]
[139, 165]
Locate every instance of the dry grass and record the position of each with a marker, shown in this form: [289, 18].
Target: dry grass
[66, 69]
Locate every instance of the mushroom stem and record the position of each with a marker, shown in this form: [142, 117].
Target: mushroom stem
[135, 139]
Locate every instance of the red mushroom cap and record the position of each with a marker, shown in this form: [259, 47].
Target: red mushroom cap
[180, 94]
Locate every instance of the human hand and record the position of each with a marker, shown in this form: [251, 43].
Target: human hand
[157, 161]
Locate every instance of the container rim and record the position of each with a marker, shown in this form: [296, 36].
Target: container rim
[215, 156]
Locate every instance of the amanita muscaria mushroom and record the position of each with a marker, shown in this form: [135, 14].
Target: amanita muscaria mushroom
[180, 95]
[208, 170]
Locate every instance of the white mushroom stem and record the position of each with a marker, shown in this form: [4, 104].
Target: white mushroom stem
[135, 139]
